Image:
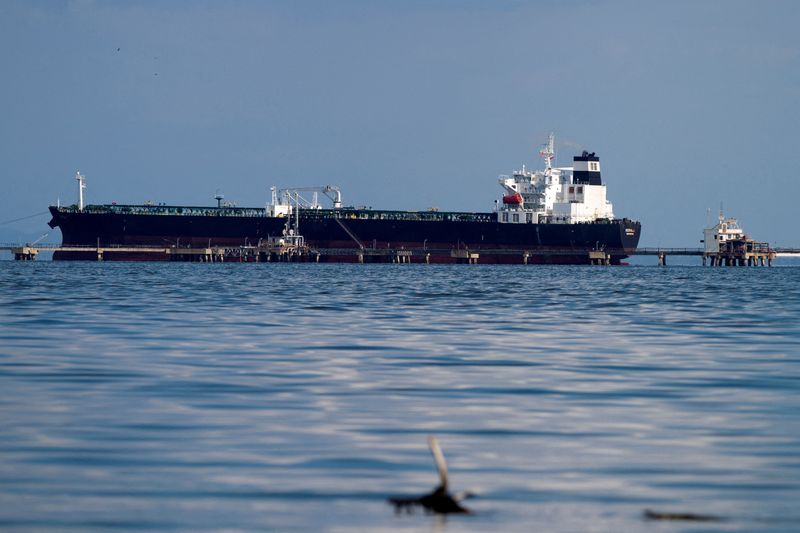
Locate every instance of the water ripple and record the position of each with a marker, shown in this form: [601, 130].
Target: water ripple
[189, 397]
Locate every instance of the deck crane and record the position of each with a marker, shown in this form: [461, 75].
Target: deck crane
[37, 240]
[331, 191]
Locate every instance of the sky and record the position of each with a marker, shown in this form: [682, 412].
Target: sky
[403, 105]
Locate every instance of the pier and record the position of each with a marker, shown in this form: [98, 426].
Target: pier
[23, 253]
[210, 254]
[747, 253]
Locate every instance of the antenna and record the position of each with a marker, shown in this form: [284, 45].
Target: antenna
[297, 214]
[547, 152]
[81, 186]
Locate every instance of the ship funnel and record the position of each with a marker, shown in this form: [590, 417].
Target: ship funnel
[586, 169]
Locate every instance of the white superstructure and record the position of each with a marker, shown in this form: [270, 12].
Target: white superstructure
[564, 195]
[726, 229]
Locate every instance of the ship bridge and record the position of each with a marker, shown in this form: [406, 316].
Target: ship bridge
[564, 195]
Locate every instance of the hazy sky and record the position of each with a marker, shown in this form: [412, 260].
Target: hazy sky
[406, 104]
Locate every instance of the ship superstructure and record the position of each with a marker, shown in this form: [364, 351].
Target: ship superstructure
[556, 195]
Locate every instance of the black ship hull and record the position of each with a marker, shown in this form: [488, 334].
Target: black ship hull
[342, 233]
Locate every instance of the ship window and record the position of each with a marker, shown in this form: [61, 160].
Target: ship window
[516, 217]
[505, 217]
[580, 190]
[572, 190]
[529, 218]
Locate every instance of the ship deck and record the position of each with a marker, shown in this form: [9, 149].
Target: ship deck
[345, 213]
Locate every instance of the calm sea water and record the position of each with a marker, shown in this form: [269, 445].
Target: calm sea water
[203, 397]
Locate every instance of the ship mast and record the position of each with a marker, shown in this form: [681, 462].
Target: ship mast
[547, 152]
[81, 186]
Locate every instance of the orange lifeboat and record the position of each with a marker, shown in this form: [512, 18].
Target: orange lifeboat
[514, 199]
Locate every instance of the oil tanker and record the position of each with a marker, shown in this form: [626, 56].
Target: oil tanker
[553, 215]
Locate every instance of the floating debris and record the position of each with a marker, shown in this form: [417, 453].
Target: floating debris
[687, 517]
[440, 500]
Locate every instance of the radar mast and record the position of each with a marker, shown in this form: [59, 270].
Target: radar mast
[548, 151]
